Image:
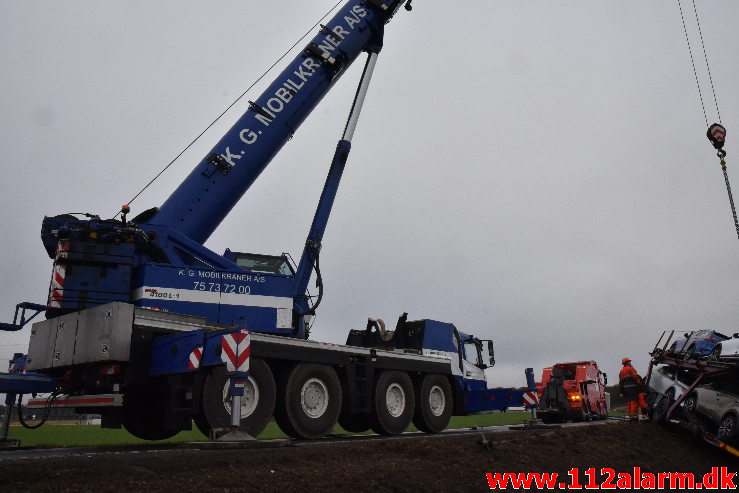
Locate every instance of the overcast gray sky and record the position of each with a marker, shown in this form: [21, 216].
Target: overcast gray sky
[535, 172]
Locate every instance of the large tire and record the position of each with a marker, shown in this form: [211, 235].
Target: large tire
[728, 428]
[144, 412]
[394, 403]
[309, 401]
[433, 404]
[257, 404]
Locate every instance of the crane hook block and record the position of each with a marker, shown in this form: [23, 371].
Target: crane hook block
[716, 134]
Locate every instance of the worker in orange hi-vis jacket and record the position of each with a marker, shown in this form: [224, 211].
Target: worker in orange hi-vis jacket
[631, 387]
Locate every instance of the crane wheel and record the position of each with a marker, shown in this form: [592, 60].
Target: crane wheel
[394, 403]
[309, 400]
[144, 412]
[433, 404]
[257, 404]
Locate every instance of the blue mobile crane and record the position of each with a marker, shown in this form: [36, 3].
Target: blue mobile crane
[152, 330]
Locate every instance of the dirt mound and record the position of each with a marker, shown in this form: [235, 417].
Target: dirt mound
[430, 463]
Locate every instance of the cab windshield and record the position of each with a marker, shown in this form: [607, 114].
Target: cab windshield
[266, 264]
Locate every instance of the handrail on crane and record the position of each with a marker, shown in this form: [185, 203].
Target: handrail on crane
[18, 325]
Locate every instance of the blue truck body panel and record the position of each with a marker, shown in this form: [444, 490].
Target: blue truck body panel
[17, 381]
[481, 400]
[439, 336]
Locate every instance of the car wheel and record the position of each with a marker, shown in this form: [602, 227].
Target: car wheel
[662, 405]
[690, 403]
[689, 353]
[727, 429]
[715, 353]
[651, 397]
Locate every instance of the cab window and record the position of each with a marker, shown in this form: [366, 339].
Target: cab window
[265, 264]
[472, 353]
[668, 372]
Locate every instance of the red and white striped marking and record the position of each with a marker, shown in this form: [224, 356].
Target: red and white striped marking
[102, 400]
[718, 132]
[110, 370]
[56, 290]
[530, 399]
[196, 356]
[235, 350]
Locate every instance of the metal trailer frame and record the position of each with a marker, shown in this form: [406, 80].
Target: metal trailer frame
[706, 370]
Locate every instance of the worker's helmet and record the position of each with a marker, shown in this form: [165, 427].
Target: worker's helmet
[625, 360]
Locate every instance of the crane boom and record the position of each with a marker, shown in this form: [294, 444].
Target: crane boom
[216, 184]
[158, 260]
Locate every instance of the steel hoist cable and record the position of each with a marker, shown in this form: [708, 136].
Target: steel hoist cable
[692, 61]
[716, 132]
[192, 142]
[728, 189]
[705, 57]
[720, 130]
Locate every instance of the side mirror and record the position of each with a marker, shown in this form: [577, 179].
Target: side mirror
[605, 379]
[491, 352]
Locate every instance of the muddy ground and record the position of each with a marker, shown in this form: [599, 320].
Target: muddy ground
[437, 463]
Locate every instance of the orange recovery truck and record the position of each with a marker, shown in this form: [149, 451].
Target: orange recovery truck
[574, 391]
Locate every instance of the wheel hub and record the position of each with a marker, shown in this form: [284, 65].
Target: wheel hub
[314, 398]
[249, 400]
[726, 427]
[395, 400]
[437, 401]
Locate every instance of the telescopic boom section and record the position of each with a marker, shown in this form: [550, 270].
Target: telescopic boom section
[208, 194]
[309, 259]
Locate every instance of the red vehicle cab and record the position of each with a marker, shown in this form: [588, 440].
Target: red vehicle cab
[573, 391]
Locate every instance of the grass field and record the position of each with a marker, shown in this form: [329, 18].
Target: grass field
[71, 435]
